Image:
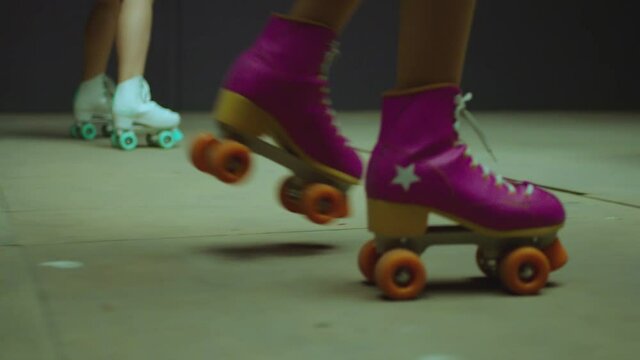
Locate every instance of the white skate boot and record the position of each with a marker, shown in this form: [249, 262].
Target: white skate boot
[92, 108]
[134, 112]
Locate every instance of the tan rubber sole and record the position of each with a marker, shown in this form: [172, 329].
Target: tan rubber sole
[407, 220]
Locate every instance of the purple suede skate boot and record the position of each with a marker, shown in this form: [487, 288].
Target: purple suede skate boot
[419, 166]
[278, 88]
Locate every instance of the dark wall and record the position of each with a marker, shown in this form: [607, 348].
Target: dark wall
[523, 54]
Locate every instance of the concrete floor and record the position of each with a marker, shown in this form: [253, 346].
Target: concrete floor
[112, 255]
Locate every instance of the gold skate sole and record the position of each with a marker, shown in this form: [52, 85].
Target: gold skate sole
[407, 220]
[248, 119]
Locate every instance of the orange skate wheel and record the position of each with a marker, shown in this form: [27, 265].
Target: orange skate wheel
[199, 149]
[524, 271]
[322, 203]
[288, 201]
[230, 161]
[367, 259]
[556, 254]
[400, 274]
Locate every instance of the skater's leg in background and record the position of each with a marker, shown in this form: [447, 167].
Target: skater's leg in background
[92, 102]
[333, 13]
[134, 34]
[432, 41]
[98, 37]
[132, 105]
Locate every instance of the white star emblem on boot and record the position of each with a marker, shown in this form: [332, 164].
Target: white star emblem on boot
[405, 176]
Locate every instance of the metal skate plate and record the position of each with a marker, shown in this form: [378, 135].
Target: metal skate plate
[96, 120]
[283, 157]
[460, 235]
[140, 130]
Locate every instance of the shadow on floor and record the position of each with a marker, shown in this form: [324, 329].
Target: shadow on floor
[52, 134]
[463, 287]
[251, 252]
[56, 135]
[473, 285]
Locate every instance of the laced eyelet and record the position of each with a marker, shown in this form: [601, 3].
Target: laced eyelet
[324, 77]
[461, 113]
[528, 192]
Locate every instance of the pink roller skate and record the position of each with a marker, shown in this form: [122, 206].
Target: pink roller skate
[278, 88]
[419, 166]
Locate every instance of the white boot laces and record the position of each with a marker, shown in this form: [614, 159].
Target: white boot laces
[329, 58]
[462, 114]
[145, 95]
[109, 87]
[145, 91]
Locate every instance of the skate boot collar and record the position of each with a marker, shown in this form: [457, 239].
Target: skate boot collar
[293, 46]
[99, 79]
[422, 89]
[301, 20]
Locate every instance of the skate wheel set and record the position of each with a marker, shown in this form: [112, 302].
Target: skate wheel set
[308, 192]
[128, 139]
[87, 130]
[521, 265]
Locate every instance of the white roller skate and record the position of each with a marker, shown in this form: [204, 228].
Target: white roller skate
[135, 112]
[92, 108]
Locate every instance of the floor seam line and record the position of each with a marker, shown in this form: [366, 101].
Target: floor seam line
[45, 306]
[188, 237]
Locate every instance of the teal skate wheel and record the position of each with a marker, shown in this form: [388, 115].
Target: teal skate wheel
[165, 139]
[88, 131]
[128, 141]
[177, 135]
[73, 131]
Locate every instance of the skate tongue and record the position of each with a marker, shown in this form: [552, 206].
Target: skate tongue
[109, 86]
[145, 91]
[461, 113]
[329, 58]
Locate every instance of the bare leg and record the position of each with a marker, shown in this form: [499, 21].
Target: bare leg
[98, 37]
[432, 41]
[133, 109]
[335, 14]
[134, 33]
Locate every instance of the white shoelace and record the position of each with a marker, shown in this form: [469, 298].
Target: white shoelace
[462, 114]
[145, 92]
[146, 99]
[109, 88]
[324, 75]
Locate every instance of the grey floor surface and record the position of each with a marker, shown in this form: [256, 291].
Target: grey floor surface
[112, 255]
